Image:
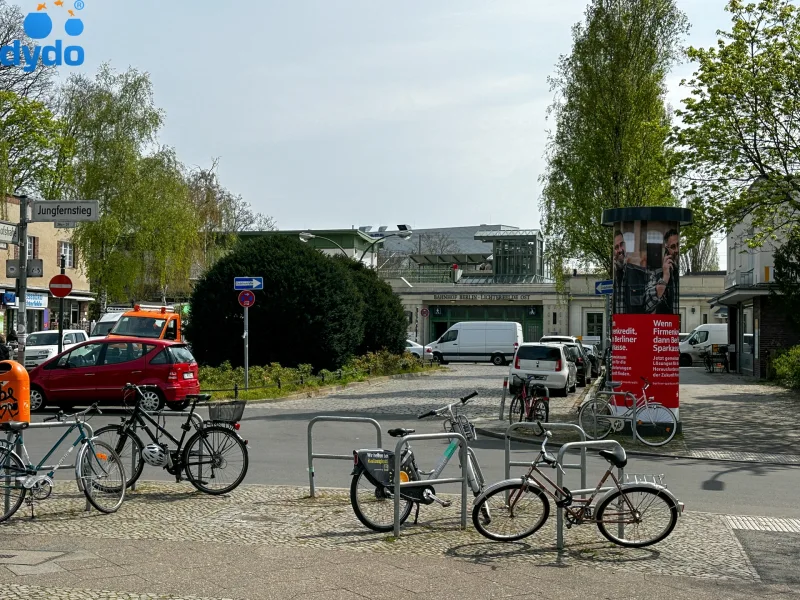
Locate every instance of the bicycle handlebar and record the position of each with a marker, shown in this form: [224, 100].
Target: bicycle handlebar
[438, 411]
[61, 417]
[469, 397]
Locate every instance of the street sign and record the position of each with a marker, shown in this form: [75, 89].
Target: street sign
[9, 234]
[604, 287]
[12, 269]
[425, 312]
[35, 267]
[247, 298]
[66, 224]
[60, 286]
[248, 283]
[75, 210]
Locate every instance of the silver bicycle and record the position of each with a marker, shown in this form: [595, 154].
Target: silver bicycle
[371, 489]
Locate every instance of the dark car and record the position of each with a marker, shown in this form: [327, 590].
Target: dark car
[583, 364]
[97, 370]
[594, 357]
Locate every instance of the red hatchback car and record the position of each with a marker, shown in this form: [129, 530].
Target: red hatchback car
[96, 371]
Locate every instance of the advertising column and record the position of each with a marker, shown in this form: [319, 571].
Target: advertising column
[646, 302]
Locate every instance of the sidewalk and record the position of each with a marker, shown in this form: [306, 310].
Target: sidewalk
[724, 417]
[170, 542]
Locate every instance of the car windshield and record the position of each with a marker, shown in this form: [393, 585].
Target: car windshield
[538, 353]
[181, 355]
[146, 327]
[102, 328]
[43, 338]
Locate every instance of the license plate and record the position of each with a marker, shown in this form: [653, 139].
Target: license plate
[540, 377]
[188, 375]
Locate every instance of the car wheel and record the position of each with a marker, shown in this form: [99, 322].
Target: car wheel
[565, 390]
[38, 400]
[581, 382]
[498, 360]
[572, 389]
[151, 400]
[438, 358]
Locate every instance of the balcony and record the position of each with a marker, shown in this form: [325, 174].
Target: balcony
[739, 279]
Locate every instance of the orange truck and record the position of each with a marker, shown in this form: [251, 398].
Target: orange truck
[155, 322]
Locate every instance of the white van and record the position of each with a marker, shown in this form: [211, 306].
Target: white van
[477, 341]
[701, 341]
[105, 324]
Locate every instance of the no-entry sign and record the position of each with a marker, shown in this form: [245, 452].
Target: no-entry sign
[60, 286]
[247, 298]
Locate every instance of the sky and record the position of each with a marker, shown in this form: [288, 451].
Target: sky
[340, 113]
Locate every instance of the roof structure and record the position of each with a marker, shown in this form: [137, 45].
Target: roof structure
[462, 237]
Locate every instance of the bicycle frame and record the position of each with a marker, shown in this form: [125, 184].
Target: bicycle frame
[140, 418]
[34, 470]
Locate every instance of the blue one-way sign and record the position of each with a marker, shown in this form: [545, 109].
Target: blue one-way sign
[604, 287]
[248, 283]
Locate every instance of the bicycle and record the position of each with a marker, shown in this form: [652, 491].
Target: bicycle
[99, 471]
[656, 424]
[520, 507]
[205, 458]
[531, 402]
[371, 488]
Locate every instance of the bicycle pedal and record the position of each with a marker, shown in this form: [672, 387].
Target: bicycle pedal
[443, 503]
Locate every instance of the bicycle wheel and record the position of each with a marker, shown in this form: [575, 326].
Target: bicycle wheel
[374, 506]
[100, 474]
[12, 493]
[523, 514]
[215, 460]
[653, 517]
[540, 411]
[655, 424]
[595, 418]
[128, 447]
[515, 411]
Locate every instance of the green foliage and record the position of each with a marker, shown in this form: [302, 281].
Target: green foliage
[786, 368]
[609, 147]
[309, 312]
[385, 323]
[787, 278]
[740, 133]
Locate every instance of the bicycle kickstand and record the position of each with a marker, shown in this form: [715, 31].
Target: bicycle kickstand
[416, 514]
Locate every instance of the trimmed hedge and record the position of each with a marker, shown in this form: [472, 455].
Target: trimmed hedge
[786, 368]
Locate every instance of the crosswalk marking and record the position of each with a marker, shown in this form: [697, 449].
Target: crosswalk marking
[764, 524]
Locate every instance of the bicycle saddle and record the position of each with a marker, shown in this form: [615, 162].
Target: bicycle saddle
[13, 426]
[614, 384]
[400, 432]
[614, 458]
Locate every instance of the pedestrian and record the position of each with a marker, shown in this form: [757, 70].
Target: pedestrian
[5, 351]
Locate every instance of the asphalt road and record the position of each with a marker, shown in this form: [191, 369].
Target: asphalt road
[278, 455]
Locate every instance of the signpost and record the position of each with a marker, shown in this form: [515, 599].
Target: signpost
[247, 299]
[602, 288]
[60, 287]
[71, 211]
[248, 283]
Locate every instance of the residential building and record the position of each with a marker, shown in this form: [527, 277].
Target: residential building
[47, 243]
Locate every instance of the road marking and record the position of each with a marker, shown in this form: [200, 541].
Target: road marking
[764, 524]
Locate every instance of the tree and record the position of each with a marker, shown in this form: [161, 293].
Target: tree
[740, 136]
[385, 323]
[310, 311]
[701, 257]
[437, 242]
[609, 148]
[33, 85]
[787, 277]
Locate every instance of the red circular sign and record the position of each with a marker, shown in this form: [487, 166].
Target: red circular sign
[424, 312]
[247, 298]
[60, 286]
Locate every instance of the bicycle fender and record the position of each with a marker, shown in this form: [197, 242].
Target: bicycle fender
[652, 486]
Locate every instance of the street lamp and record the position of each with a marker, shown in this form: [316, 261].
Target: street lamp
[305, 236]
[404, 233]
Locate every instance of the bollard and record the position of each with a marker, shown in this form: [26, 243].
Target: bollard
[503, 400]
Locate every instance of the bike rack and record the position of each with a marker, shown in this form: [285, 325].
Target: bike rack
[463, 452]
[596, 444]
[49, 425]
[553, 426]
[312, 456]
[196, 419]
[503, 399]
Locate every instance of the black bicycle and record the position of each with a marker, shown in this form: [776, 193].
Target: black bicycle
[214, 459]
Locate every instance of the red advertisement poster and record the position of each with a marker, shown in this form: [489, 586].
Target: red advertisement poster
[647, 346]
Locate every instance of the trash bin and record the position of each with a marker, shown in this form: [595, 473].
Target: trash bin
[15, 392]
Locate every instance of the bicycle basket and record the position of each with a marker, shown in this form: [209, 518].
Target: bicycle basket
[469, 428]
[226, 412]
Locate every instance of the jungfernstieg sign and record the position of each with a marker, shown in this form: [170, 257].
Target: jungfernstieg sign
[647, 346]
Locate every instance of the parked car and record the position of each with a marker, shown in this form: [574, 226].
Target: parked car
[104, 325]
[700, 342]
[548, 363]
[477, 341]
[594, 357]
[97, 370]
[416, 349]
[44, 344]
[582, 362]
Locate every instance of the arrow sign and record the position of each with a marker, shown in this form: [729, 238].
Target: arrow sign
[604, 287]
[248, 283]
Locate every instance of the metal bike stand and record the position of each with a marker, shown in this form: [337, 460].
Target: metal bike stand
[633, 408]
[553, 426]
[398, 485]
[503, 399]
[198, 424]
[312, 456]
[52, 425]
[596, 444]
